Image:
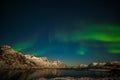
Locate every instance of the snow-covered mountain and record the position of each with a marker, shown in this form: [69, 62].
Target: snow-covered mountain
[11, 59]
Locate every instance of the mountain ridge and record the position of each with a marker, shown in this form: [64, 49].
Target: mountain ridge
[11, 59]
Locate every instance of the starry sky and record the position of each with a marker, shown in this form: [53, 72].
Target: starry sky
[74, 31]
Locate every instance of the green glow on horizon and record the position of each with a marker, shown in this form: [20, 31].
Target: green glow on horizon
[23, 45]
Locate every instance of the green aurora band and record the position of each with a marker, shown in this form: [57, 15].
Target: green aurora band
[101, 33]
[108, 33]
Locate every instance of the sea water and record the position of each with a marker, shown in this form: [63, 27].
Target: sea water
[58, 74]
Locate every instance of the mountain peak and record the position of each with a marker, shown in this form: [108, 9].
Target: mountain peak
[6, 49]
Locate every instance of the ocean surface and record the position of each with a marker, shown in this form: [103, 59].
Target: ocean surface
[59, 74]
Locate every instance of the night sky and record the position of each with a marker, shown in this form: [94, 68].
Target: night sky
[73, 31]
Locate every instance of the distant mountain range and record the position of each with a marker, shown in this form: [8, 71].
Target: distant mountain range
[11, 59]
[113, 65]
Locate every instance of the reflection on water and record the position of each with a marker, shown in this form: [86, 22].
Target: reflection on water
[28, 74]
[52, 73]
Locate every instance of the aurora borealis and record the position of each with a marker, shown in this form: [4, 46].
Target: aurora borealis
[72, 31]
